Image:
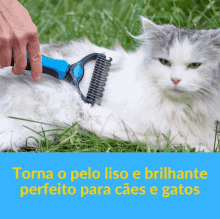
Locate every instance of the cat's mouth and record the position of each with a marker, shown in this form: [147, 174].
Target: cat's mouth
[175, 89]
[178, 90]
[177, 94]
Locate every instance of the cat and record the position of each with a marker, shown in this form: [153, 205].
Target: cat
[169, 85]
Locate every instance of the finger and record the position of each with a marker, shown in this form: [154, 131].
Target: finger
[5, 45]
[33, 48]
[5, 54]
[20, 59]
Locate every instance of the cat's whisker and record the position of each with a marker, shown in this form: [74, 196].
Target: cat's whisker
[200, 96]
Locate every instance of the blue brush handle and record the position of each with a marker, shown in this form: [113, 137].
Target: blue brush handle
[54, 67]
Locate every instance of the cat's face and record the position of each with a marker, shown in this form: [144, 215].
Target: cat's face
[184, 63]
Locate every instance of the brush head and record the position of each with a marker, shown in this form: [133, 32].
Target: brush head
[75, 74]
[99, 78]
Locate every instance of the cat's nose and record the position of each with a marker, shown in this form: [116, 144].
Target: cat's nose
[175, 80]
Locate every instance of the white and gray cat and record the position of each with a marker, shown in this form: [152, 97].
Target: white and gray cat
[169, 85]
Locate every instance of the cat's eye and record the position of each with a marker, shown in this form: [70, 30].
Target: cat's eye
[194, 65]
[165, 62]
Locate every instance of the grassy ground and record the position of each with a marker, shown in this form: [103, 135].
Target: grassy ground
[104, 23]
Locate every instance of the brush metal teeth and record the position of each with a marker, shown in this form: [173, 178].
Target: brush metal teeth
[99, 78]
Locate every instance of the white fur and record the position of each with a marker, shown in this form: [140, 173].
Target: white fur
[131, 100]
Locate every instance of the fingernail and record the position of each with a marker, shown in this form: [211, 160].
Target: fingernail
[3, 66]
[16, 73]
[37, 79]
[13, 71]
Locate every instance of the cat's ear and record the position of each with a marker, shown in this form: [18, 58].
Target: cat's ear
[150, 30]
[148, 24]
[215, 37]
[150, 27]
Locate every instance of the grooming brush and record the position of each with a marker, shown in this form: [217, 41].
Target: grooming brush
[74, 73]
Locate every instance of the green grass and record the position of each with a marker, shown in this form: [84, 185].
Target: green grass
[104, 23]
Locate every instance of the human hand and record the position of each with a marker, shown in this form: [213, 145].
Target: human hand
[18, 32]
